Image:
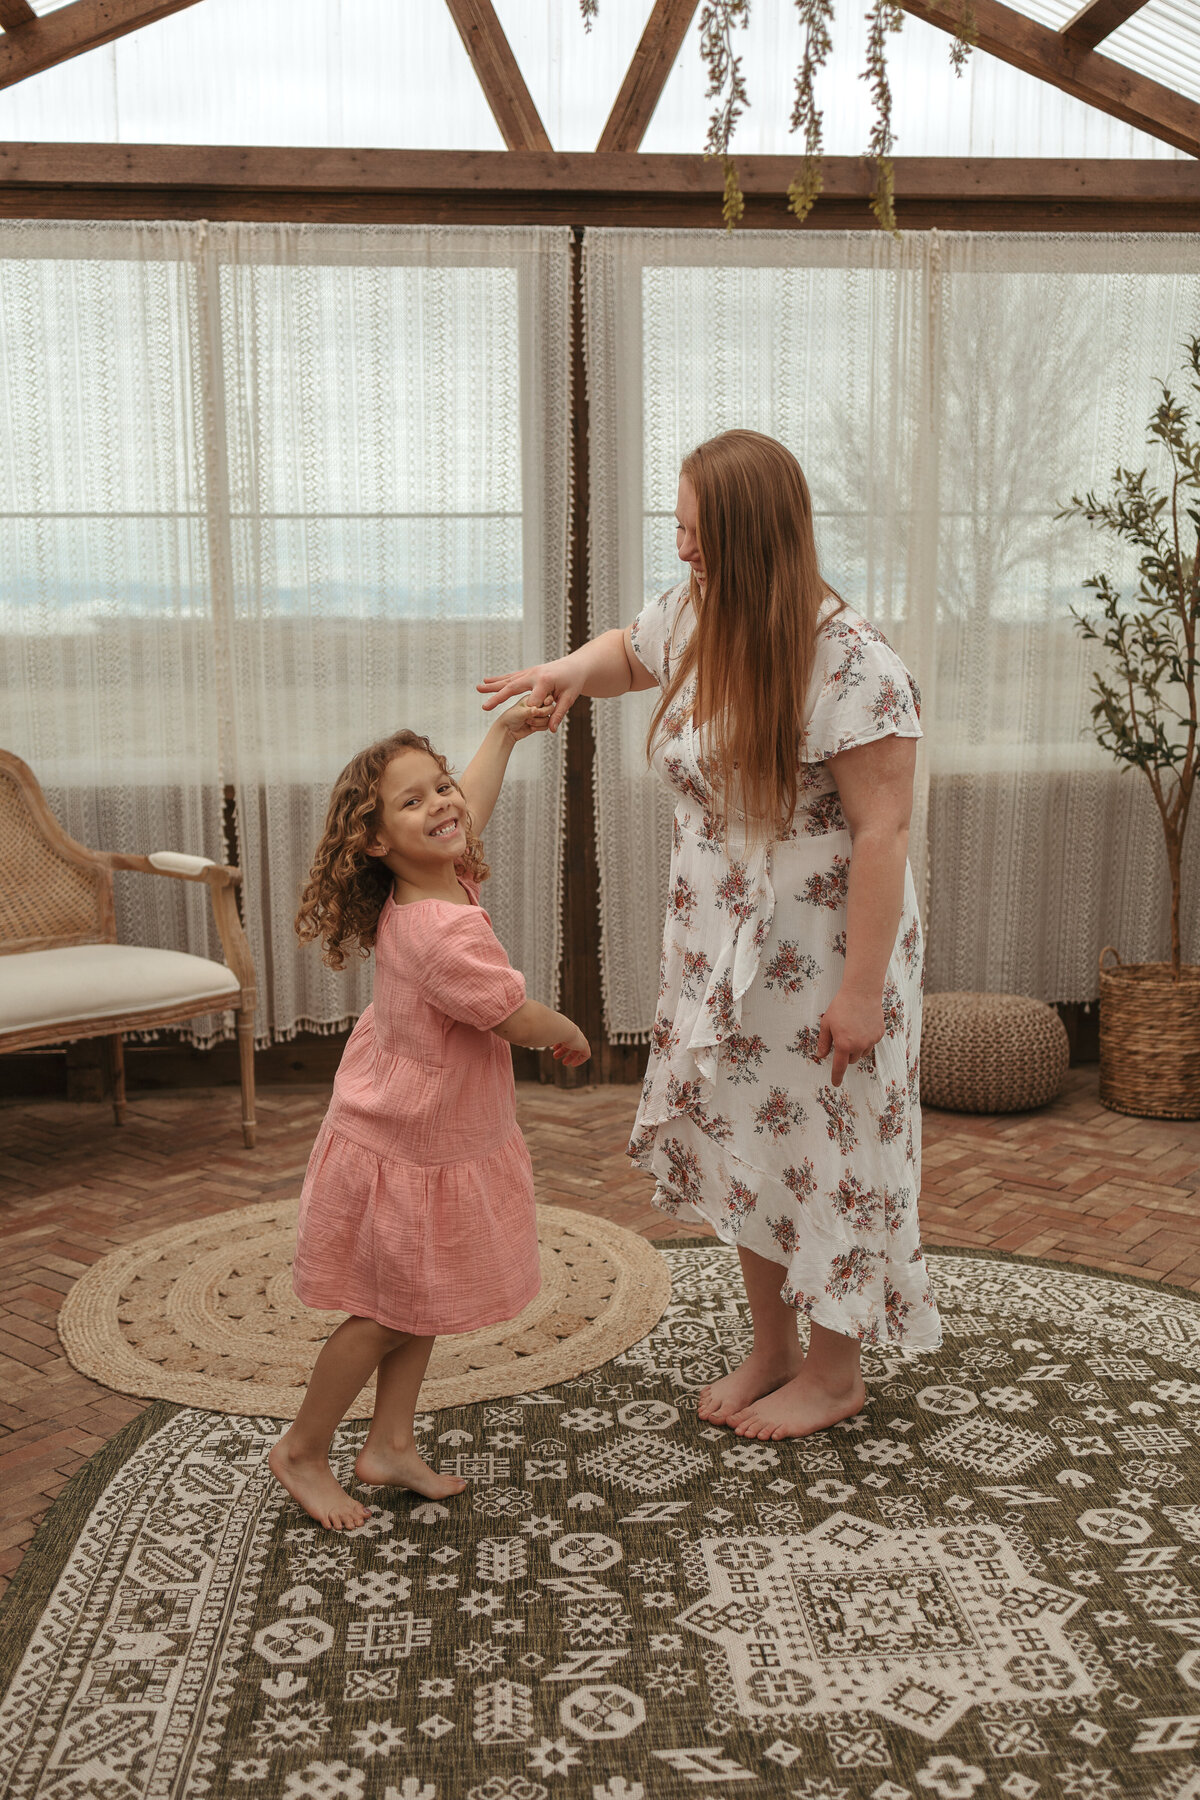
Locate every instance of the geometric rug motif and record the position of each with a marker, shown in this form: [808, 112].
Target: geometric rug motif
[985, 1587]
[204, 1313]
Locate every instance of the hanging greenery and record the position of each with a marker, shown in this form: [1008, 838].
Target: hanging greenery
[816, 16]
[718, 21]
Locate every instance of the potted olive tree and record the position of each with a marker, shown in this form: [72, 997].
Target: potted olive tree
[1145, 715]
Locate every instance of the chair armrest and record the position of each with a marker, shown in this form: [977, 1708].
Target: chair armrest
[220, 881]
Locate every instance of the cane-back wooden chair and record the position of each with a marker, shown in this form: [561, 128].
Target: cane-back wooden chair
[64, 976]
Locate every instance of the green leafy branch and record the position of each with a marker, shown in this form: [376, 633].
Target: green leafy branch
[1145, 712]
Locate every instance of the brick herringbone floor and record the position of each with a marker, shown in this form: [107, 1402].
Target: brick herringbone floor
[1073, 1182]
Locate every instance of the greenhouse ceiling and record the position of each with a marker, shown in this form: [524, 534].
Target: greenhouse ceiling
[1058, 106]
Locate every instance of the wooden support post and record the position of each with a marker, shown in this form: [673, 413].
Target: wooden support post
[647, 74]
[1098, 20]
[30, 45]
[1054, 57]
[499, 75]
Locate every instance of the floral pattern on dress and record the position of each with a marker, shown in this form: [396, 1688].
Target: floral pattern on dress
[739, 1122]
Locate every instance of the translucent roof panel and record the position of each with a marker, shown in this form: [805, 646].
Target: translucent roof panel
[394, 74]
[374, 73]
[1162, 39]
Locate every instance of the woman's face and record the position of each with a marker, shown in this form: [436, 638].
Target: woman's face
[687, 544]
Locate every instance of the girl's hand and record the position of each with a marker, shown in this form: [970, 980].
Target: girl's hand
[572, 1050]
[851, 1025]
[558, 681]
[523, 719]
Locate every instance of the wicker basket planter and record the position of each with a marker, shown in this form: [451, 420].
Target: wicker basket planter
[1149, 1039]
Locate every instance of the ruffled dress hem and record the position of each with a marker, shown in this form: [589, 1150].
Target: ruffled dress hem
[400, 1254]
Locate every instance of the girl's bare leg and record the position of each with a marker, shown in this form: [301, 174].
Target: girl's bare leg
[390, 1457]
[300, 1460]
[776, 1357]
[827, 1388]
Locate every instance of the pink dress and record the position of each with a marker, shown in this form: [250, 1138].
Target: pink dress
[418, 1207]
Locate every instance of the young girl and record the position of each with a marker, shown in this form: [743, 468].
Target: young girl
[417, 1215]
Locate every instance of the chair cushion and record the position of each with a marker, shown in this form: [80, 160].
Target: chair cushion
[100, 981]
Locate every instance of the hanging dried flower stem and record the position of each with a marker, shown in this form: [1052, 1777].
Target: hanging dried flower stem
[884, 20]
[816, 16]
[718, 20]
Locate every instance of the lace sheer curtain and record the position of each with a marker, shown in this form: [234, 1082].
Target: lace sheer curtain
[944, 394]
[818, 339]
[107, 668]
[396, 401]
[272, 491]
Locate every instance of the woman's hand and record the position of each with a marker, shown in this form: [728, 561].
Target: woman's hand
[573, 1050]
[523, 719]
[851, 1025]
[560, 682]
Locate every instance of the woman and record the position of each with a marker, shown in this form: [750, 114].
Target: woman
[780, 1102]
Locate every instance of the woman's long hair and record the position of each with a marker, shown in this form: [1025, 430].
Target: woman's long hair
[754, 642]
[347, 887]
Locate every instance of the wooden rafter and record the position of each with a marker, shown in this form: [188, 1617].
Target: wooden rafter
[16, 13]
[54, 37]
[1097, 20]
[499, 76]
[647, 74]
[1107, 85]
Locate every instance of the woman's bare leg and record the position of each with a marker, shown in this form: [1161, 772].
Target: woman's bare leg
[300, 1460]
[828, 1387]
[390, 1458]
[776, 1357]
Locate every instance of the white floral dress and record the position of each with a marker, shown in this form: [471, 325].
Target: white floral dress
[738, 1121]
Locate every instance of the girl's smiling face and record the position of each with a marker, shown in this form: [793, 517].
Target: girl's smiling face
[420, 817]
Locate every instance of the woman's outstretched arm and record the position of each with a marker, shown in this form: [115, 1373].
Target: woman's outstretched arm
[602, 668]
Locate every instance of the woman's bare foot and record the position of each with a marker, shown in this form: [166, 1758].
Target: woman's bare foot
[801, 1406]
[312, 1484]
[379, 1466]
[760, 1374]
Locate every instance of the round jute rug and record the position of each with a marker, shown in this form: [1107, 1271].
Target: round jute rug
[204, 1313]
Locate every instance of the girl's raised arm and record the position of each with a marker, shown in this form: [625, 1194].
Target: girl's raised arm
[483, 776]
[602, 668]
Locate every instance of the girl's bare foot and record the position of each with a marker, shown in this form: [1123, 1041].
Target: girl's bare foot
[801, 1406]
[380, 1466]
[760, 1374]
[312, 1484]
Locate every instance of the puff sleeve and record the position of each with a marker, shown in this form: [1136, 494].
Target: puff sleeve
[463, 970]
[652, 629]
[862, 692]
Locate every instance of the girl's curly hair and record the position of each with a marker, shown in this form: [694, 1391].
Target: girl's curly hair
[346, 887]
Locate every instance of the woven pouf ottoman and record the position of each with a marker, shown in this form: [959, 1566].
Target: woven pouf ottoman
[990, 1053]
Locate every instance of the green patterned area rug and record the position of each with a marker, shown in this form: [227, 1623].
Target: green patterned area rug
[987, 1587]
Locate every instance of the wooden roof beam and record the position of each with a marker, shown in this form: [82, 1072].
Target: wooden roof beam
[499, 76]
[647, 74]
[1098, 80]
[15, 13]
[55, 37]
[1098, 19]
